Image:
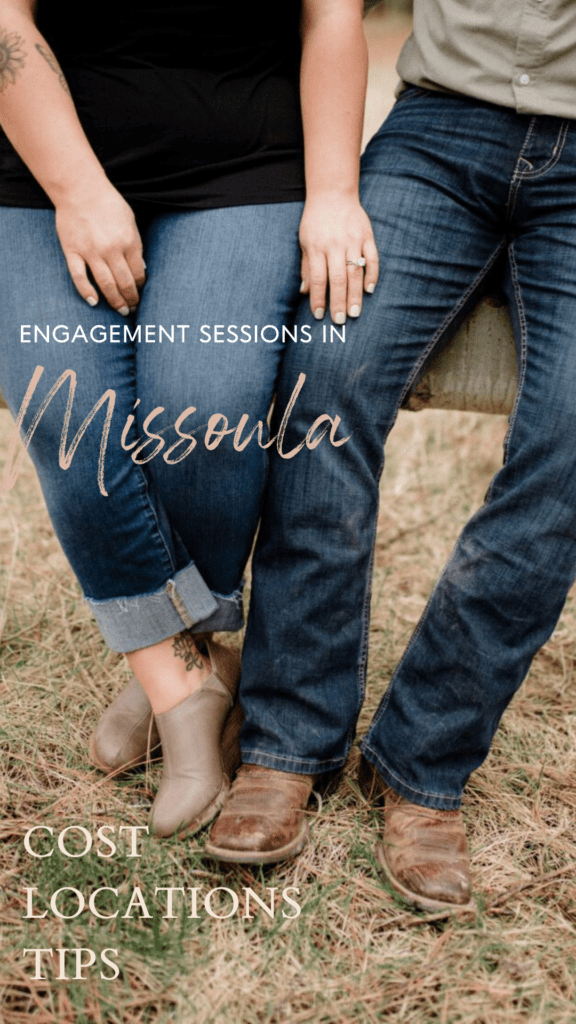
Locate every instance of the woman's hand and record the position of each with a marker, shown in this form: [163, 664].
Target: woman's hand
[336, 237]
[98, 232]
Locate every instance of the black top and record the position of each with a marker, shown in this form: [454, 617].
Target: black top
[186, 105]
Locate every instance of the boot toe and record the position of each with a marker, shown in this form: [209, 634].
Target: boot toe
[450, 885]
[186, 812]
[264, 819]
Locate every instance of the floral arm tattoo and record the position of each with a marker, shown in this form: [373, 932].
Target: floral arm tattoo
[184, 647]
[53, 63]
[12, 57]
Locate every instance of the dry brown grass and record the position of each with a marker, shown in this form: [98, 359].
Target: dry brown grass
[355, 954]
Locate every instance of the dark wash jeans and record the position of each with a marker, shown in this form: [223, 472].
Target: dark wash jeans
[450, 185]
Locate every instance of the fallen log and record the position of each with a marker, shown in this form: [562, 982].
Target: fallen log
[476, 370]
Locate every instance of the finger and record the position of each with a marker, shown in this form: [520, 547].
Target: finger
[304, 275]
[106, 282]
[84, 286]
[338, 286]
[124, 279]
[135, 260]
[318, 279]
[355, 286]
[371, 270]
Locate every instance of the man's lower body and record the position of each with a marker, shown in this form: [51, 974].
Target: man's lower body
[452, 186]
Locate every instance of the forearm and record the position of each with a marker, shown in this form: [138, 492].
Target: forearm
[335, 233]
[37, 112]
[95, 225]
[333, 89]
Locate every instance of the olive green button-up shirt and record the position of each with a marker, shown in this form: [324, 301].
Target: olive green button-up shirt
[517, 53]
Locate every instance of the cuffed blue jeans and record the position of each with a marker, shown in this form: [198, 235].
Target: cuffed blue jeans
[166, 546]
[451, 186]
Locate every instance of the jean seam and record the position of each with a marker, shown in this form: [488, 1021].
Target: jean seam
[365, 642]
[562, 136]
[523, 357]
[149, 509]
[178, 603]
[445, 325]
[517, 174]
[151, 512]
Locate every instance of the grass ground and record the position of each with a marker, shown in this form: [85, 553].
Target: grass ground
[355, 953]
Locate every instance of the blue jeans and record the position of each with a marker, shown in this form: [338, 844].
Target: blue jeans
[451, 186]
[166, 547]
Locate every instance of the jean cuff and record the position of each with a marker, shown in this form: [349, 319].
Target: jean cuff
[416, 796]
[184, 602]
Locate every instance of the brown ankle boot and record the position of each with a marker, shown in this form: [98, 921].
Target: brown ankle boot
[423, 853]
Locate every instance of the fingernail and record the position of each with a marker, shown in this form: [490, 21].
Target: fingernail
[340, 318]
[144, 264]
[123, 310]
[319, 313]
[370, 287]
[92, 301]
[303, 286]
[354, 310]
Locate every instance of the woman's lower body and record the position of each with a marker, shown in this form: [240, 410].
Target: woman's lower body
[164, 548]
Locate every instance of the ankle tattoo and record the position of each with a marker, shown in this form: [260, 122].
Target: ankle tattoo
[184, 647]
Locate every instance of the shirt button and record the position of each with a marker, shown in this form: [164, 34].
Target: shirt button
[524, 80]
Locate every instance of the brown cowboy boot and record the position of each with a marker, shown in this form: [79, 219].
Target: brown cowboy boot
[423, 853]
[264, 817]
